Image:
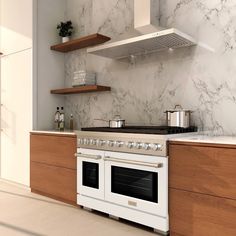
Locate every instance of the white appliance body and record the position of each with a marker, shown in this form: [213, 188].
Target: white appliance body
[129, 186]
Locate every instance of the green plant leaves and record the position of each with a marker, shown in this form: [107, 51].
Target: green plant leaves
[65, 28]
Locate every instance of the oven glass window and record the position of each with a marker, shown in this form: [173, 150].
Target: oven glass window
[90, 174]
[135, 183]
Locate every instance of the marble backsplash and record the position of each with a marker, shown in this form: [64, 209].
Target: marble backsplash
[200, 78]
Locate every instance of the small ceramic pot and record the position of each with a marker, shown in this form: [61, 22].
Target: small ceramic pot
[65, 39]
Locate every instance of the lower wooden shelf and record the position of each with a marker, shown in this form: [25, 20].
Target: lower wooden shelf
[53, 181]
[81, 89]
[196, 214]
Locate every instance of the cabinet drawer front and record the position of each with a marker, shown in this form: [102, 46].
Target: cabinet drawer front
[53, 150]
[55, 181]
[200, 215]
[208, 170]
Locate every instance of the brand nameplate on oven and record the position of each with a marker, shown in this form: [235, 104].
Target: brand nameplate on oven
[132, 203]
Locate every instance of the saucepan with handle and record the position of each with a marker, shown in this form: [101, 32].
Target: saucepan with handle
[116, 122]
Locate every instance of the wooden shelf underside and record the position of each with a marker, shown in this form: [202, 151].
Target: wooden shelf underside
[87, 41]
[81, 89]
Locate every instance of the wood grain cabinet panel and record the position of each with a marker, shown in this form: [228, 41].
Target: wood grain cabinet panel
[57, 182]
[53, 166]
[193, 214]
[53, 150]
[208, 170]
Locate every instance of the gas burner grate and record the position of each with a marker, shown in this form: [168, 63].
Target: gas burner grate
[143, 129]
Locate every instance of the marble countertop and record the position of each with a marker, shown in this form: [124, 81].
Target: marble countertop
[199, 138]
[65, 132]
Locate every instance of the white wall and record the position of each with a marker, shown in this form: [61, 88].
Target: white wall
[16, 26]
[48, 64]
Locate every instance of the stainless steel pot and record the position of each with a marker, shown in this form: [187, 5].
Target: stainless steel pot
[117, 122]
[178, 117]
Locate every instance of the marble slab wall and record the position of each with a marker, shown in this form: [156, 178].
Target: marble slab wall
[201, 78]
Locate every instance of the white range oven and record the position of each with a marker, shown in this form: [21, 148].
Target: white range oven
[124, 175]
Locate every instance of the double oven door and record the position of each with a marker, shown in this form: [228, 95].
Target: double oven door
[90, 173]
[137, 181]
[134, 181]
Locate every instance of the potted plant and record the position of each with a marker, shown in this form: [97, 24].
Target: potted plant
[65, 30]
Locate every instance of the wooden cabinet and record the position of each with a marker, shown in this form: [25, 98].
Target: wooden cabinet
[54, 181]
[53, 150]
[194, 214]
[202, 189]
[208, 170]
[53, 166]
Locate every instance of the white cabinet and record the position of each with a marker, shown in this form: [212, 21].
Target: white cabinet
[16, 18]
[16, 25]
[16, 115]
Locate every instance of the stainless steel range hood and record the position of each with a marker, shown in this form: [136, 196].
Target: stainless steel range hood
[146, 20]
[161, 40]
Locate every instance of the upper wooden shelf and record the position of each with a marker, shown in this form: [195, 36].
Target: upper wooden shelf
[81, 89]
[87, 41]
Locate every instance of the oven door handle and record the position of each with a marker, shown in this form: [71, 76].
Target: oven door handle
[88, 156]
[139, 163]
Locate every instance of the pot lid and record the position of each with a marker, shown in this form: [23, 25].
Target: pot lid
[178, 108]
[117, 118]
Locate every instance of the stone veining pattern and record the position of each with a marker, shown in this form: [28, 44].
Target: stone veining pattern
[200, 78]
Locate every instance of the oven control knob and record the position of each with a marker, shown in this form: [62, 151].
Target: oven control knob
[85, 141]
[92, 141]
[130, 144]
[80, 141]
[101, 142]
[138, 145]
[110, 143]
[119, 144]
[157, 147]
[146, 146]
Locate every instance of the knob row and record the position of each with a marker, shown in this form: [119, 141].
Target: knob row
[130, 145]
[146, 146]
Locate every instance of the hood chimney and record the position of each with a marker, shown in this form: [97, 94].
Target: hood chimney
[147, 16]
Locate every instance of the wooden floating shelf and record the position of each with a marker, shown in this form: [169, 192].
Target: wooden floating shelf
[87, 41]
[81, 89]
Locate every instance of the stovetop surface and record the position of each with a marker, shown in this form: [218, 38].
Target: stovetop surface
[143, 129]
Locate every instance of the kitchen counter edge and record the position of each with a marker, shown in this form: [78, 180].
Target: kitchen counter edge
[206, 140]
[53, 133]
